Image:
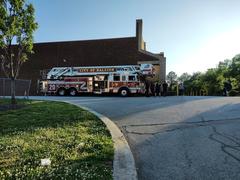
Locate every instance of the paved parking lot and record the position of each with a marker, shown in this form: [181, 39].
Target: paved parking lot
[176, 137]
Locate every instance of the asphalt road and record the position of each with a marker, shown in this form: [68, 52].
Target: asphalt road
[176, 137]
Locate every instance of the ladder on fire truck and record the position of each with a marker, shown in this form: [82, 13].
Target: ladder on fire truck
[58, 72]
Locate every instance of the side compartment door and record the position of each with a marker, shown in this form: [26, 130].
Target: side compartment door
[100, 83]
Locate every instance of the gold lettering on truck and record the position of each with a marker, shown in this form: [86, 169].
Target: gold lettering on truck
[86, 70]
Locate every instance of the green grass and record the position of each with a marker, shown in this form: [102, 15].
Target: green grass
[77, 143]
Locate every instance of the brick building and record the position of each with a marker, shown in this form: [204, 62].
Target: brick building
[117, 51]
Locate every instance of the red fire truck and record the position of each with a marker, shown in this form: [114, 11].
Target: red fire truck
[123, 80]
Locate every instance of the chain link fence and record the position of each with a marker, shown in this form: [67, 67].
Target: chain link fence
[22, 87]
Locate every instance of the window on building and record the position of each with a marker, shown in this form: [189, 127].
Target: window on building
[116, 78]
[131, 78]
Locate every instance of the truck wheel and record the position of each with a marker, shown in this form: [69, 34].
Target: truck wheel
[61, 92]
[124, 92]
[72, 92]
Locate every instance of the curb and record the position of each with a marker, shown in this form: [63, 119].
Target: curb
[123, 165]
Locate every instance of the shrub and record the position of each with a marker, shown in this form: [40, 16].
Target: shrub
[234, 92]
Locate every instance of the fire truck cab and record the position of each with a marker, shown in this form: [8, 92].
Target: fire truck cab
[124, 80]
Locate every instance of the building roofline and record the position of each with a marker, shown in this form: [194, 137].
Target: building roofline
[88, 40]
[149, 53]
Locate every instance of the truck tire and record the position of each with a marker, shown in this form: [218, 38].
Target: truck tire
[61, 92]
[124, 92]
[72, 92]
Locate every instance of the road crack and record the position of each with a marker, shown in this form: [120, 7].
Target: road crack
[230, 145]
[158, 128]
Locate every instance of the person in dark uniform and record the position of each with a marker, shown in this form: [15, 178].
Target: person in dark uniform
[165, 86]
[224, 91]
[161, 89]
[152, 87]
[157, 89]
[147, 86]
[181, 89]
[227, 87]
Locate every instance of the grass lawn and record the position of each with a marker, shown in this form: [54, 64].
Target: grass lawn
[77, 143]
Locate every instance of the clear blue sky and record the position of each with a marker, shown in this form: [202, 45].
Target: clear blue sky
[193, 34]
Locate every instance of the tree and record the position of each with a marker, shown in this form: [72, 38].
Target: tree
[234, 74]
[17, 25]
[184, 77]
[234, 68]
[171, 77]
[212, 81]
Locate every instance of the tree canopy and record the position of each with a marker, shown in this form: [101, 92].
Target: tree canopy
[212, 81]
[17, 25]
[171, 78]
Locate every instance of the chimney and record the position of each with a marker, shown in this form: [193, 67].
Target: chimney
[161, 54]
[139, 33]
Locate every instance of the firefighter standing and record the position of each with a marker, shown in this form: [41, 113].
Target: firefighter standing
[147, 86]
[165, 86]
[157, 89]
[152, 87]
[181, 89]
[227, 87]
